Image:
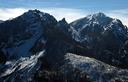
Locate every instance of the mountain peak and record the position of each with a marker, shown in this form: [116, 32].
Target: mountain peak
[63, 24]
[63, 20]
[96, 16]
[33, 13]
[36, 15]
[100, 14]
[35, 10]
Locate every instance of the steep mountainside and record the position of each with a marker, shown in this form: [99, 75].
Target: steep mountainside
[20, 35]
[104, 36]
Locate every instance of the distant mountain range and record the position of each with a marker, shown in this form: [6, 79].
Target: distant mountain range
[35, 47]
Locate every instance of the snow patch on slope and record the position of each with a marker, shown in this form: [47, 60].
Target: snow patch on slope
[23, 68]
[98, 71]
[23, 50]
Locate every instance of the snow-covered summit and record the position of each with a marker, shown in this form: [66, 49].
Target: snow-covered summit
[98, 18]
[98, 21]
[96, 15]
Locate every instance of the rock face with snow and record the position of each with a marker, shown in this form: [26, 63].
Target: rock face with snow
[35, 47]
[22, 70]
[96, 70]
[103, 35]
[19, 35]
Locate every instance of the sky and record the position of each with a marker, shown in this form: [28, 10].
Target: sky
[69, 9]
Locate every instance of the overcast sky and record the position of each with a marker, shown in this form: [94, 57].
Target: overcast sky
[70, 9]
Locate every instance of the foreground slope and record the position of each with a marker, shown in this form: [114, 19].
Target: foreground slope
[75, 69]
[96, 70]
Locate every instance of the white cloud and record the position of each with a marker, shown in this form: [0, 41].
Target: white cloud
[6, 13]
[59, 13]
[121, 14]
[69, 14]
